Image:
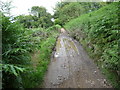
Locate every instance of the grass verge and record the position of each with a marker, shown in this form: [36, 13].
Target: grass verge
[40, 59]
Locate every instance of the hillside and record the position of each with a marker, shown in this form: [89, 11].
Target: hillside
[98, 33]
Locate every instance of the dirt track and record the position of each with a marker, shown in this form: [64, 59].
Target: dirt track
[72, 68]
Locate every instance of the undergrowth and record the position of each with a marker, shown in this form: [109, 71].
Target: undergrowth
[17, 45]
[97, 31]
[35, 75]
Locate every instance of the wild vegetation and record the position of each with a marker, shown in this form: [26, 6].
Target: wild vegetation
[65, 11]
[28, 40]
[40, 59]
[17, 45]
[20, 67]
[98, 33]
[38, 17]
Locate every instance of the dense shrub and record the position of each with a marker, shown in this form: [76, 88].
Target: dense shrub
[14, 53]
[17, 45]
[98, 33]
[34, 76]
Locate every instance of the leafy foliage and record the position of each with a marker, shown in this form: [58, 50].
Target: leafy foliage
[65, 11]
[35, 76]
[17, 44]
[98, 32]
[5, 7]
[12, 69]
[38, 17]
[14, 50]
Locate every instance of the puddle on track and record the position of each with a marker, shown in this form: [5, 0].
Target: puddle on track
[72, 68]
[69, 44]
[58, 45]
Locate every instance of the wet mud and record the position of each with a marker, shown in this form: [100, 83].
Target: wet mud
[71, 67]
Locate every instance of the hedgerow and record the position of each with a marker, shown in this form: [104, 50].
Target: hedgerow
[17, 45]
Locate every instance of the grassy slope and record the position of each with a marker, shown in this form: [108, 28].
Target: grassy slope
[46, 39]
[98, 33]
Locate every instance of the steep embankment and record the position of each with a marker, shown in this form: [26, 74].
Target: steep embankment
[98, 33]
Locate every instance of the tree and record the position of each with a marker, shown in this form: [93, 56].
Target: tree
[27, 20]
[65, 11]
[38, 11]
[39, 17]
[5, 7]
[44, 18]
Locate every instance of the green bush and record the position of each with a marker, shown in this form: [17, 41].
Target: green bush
[98, 33]
[33, 77]
[13, 54]
[17, 44]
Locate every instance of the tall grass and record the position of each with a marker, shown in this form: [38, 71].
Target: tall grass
[34, 76]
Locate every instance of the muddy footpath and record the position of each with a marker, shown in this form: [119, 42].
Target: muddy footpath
[71, 67]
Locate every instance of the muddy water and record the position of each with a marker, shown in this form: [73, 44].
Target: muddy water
[72, 68]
